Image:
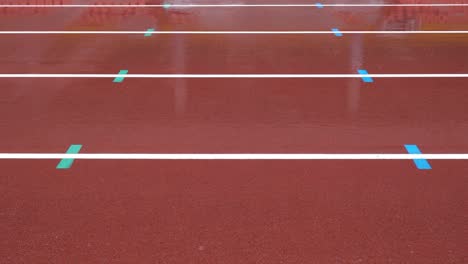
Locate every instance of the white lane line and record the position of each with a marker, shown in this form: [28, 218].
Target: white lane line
[223, 156]
[168, 5]
[233, 76]
[329, 32]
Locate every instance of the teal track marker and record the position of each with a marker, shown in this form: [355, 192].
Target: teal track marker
[148, 32]
[421, 164]
[120, 78]
[337, 32]
[166, 6]
[67, 163]
[319, 5]
[365, 76]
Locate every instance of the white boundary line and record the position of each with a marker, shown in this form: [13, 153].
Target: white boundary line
[234, 76]
[168, 5]
[198, 156]
[329, 32]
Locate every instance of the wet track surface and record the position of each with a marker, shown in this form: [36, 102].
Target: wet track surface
[342, 211]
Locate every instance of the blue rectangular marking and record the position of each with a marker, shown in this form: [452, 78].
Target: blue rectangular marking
[148, 32]
[120, 79]
[337, 32]
[319, 5]
[67, 163]
[365, 76]
[421, 164]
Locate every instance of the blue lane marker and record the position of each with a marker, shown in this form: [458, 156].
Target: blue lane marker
[120, 78]
[337, 32]
[365, 76]
[67, 163]
[148, 32]
[319, 5]
[421, 164]
[166, 5]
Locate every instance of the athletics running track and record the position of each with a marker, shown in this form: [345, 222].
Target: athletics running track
[172, 203]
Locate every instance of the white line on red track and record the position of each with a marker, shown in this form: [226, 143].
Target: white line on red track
[237, 5]
[224, 156]
[254, 76]
[328, 32]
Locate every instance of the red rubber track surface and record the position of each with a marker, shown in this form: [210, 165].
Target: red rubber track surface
[102, 211]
